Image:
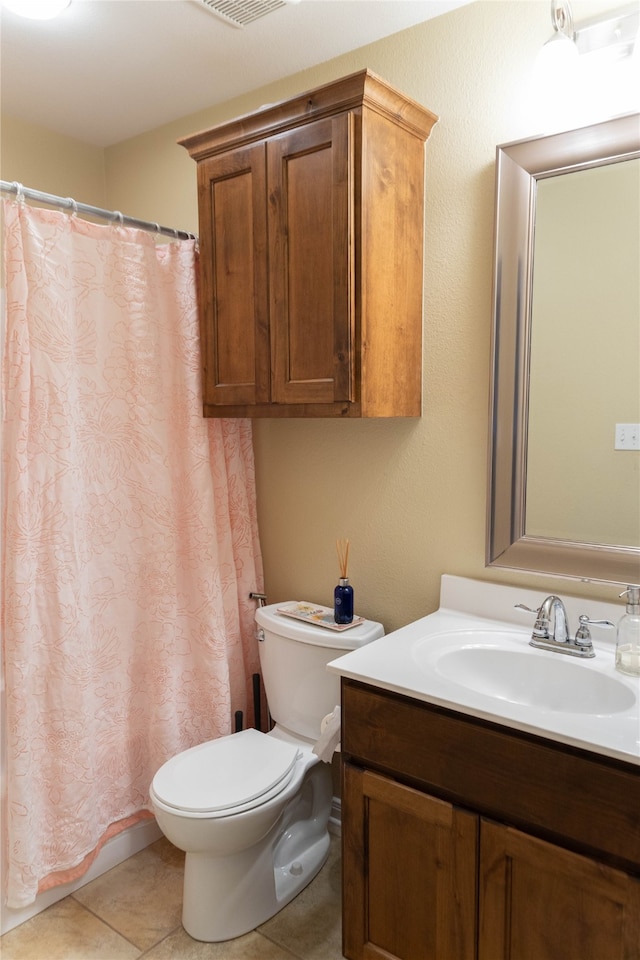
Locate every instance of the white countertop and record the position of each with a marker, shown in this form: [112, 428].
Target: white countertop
[397, 662]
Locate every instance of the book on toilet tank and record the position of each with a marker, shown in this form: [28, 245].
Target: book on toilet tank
[316, 614]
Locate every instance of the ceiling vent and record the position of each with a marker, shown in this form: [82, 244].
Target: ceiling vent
[239, 13]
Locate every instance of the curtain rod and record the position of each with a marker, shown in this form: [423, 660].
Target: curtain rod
[67, 203]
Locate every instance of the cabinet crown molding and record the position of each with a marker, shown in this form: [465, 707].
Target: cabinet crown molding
[364, 88]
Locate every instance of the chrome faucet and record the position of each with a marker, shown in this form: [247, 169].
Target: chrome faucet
[552, 622]
[551, 629]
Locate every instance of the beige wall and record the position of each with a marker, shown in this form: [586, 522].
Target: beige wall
[50, 162]
[410, 494]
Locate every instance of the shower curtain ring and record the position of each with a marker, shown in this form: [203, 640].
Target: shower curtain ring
[74, 206]
[19, 191]
[119, 217]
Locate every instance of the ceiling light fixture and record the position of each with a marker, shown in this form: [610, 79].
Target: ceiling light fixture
[613, 36]
[560, 52]
[36, 9]
[588, 70]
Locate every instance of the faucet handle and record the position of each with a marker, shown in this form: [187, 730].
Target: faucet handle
[596, 623]
[523, 606]
[583, 634]
[541, 626]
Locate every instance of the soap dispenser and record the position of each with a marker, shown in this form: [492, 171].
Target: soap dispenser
[628, 642]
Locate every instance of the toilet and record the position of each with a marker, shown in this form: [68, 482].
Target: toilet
[251, 810]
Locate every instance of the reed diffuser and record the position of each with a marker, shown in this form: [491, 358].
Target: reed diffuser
[343, 593]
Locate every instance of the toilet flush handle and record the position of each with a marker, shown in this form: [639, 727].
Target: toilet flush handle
[262, 599]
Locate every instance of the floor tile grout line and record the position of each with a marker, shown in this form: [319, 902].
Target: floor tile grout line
[171, 933]
[111, 926]
[280, 945]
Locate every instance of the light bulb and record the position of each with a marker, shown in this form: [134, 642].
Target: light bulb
[557, 68]
[554, 84]
[558, 55]
[36, 9]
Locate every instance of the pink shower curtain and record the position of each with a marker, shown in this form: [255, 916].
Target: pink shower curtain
[130, 540]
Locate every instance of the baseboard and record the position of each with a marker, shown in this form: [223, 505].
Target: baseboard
[115, 850]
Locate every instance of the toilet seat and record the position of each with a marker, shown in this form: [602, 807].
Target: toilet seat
[226, 776]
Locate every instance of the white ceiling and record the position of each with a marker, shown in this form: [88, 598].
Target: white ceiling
[105, 70]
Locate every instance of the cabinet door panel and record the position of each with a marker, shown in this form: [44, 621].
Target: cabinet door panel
[409, 873]
[235, 338]
[311, 278]
[540, 902]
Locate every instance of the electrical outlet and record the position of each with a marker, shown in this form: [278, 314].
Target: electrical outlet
[627, 436]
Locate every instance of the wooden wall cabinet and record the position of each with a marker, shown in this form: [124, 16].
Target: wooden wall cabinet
[463, 841]
[311, 255]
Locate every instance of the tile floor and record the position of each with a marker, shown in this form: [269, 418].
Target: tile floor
[133, 912]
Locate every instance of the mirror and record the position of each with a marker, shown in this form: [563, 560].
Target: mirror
[566, 354]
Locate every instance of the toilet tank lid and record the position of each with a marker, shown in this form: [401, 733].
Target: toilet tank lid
[270, 618]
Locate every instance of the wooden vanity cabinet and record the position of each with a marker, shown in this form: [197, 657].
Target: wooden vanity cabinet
[464, 840]
[311, 239]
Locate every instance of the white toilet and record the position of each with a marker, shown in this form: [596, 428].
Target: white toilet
[251, 810]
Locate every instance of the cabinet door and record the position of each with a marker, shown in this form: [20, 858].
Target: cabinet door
[540, 902]
[310, 262]
[233, 263]
[409, 873]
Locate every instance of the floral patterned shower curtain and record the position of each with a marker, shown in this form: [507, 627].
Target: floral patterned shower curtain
[130, 540]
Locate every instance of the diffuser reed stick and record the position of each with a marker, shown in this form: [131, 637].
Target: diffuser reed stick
[342, 547]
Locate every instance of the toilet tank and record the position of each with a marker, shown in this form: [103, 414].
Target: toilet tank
[294, 656]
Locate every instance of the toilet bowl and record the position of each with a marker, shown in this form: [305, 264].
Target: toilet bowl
[251, 810]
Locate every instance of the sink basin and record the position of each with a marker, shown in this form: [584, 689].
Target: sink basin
[472, 656]
[503, 667]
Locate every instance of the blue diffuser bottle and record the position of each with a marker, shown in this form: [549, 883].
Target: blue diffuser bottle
[343, 593]
[343, 601]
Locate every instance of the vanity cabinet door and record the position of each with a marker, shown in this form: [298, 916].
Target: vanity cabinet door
[409, 872]
[541, 902]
